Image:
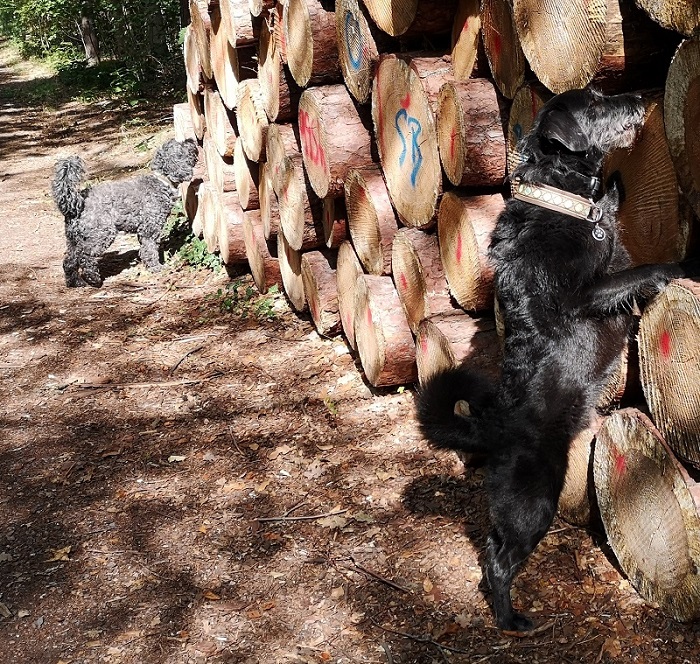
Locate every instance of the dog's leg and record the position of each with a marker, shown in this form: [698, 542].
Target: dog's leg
[71, 263]
[90, 271]
[148, 253]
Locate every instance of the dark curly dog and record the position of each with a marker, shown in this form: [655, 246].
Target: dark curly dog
[139, 204]
[566, 290]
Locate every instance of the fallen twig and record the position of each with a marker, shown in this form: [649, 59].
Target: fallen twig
[310, 517]
[183, 358]
[379, 578]
[422, 639]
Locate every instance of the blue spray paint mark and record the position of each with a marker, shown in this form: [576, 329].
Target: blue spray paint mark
[415, 128]
[353, 40]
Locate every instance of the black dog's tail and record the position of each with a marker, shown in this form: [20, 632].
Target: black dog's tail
[449, 406]
[68, 175]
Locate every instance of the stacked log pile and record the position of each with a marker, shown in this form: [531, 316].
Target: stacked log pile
[365, 176]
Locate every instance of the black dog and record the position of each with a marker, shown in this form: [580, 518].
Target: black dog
[566, 290]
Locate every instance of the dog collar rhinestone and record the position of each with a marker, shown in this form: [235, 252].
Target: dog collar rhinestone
[165, 179]
[562, 201]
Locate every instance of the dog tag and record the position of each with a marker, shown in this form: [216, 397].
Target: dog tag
[598, 233]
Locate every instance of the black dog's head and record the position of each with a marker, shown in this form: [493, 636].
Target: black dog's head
[176, 160]
[574, 131]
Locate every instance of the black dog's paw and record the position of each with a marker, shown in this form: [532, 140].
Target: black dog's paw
[517, 623]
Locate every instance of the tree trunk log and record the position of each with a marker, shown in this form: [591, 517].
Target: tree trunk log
[357, 48]
[282, 141]
[371, 219]
[230, 236]
[407, 142]
[197, 223]
[333, 138]
[280, 92]
[264, 266]
[335, 222]
[189, 191]
[682, 118]
[318, 269]
[224, 62]
[301, 212]
[201, 27]
[670, 365]
[312, 49]
[219, 169]
[527, 102]
[199, 122]
[678, 15]
[465, 224]
[348, 273]
[649, 507]
[277, 21]
[502, 46]
[219, 126]
[257, 7]
[182, 123]
[419, 277]
[433, 72]
[415, 17]
[384, 340]
[193, 67]
[290, 272]
[252, 119]
[269, 210]
[468, 55]
[454, 338]
[209, 213]
[247, 176]
[654, 225]
[241, 29]
[470, 129]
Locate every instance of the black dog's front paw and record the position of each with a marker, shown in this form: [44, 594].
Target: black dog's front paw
[517, 623]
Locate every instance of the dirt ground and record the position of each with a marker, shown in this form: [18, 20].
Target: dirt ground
[181, 483]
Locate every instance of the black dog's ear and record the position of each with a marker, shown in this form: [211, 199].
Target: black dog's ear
[560, 126]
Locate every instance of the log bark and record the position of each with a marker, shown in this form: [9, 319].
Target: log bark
[357, 48]
[219, 123]
[241, 29]
[654, 223]
[252, 119]
[470, 130]
[318, 269]
[219, 169]
[230, 237]
[465, 224]
[264, 266]
[682, 118]
[418, 276]
[384, 340]
[199, 122]
[280, 92]
[335, 222]
[333, 138]
[527, 102]
[398, 17]
[371, 218]
[433, 71]
[348, 273]
[201, 27]
[247, 177]
[649, 507]
[502, 45]
[290, 272]
[182, 123]
[670, 366]
[406, 140]
[312, 49]
[301, 212]
[269, 210]
[678, 15]
[451, 339]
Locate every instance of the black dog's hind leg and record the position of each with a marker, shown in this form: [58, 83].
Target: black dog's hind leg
[90, 271]
[148, 253]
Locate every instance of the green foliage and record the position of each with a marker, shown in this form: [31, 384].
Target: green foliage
[243, 300]
[182, 247]
[138, 41]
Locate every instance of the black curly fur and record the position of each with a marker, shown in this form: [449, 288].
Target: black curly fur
[139, 204]
[566, 300]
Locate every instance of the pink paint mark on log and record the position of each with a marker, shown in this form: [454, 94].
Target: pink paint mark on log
[665, 344]
[404, 281]
[453, 141]
[465, 27]
[620, 463]
[370, 322]
[458, 250]
[424, 344]
[406, 101]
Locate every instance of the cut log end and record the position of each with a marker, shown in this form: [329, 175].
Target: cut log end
[318, 270]
[502, 46]
[348, 273]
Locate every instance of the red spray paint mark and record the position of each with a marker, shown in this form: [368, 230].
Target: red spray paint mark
[459, 248]
[620, 463]
[535, 103]
[406, 101]
[453, 140]
[404, 281]
[465, 27]
[497, 44]
[370, 322]
[424, 344]
[665, 344]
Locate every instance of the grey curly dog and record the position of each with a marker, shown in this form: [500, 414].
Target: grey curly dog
[140, 204]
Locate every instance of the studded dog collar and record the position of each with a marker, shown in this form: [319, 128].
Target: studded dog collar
[562, 201]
